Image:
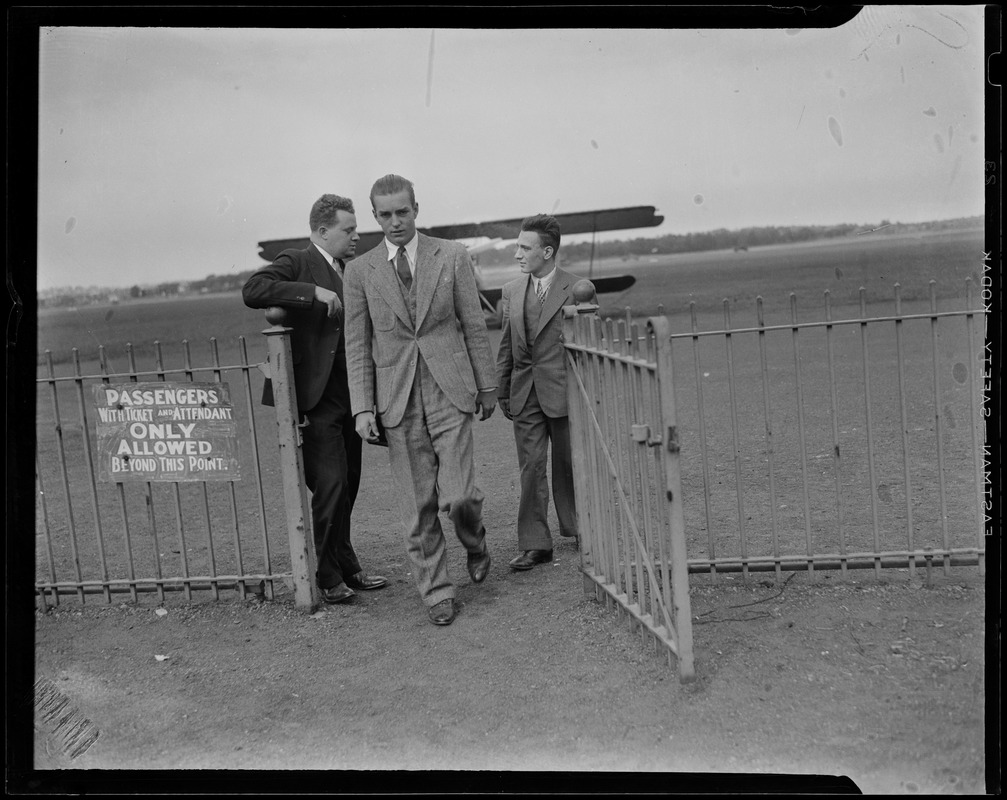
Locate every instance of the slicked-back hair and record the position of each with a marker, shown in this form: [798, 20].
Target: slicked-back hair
[547, 228]
[323, 212]
[392, 184]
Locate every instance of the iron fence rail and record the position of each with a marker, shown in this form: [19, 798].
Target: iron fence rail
[81, 519]
[906, 386]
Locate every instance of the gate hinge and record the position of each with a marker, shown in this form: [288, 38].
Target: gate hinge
[673, 446]
[641, 434]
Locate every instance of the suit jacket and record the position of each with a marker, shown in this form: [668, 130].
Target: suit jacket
[383, 343]
[289, 282]
[539, 361]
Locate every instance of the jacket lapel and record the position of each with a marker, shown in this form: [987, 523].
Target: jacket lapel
[558, 293]
[517, 308]
[321, 272]
[387, 283]
[428, 273]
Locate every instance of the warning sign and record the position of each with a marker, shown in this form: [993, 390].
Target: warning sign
[166, 432]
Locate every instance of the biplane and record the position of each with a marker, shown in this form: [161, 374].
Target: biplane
[502, 230]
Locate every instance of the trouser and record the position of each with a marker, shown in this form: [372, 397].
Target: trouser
[533, 433]
[431, 456]
[332, 452]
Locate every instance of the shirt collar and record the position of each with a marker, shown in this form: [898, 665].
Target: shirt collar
[411, 247]
[545, 282]
[332, 262]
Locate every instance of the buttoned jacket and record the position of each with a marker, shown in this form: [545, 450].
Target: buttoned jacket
[535, 358]
[384, 341]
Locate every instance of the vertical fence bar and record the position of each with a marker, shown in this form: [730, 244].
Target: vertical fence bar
[704, 455]
[627, 466]
[938, 427]
[48, 540]
[609, 533]
[614, 438]
[834, 415]
[583, 328]
[769, 436]
[120, 485]
[735, 441]
[801, 431]
[870, 431]
[218, 377]
[183, 550]
[64, 474]
[578, 455]
[256, 467]
[903, 417]
[151, 519]
[89, 463]
[211, 558]
[978, 448]
[673, 485]
[599, 564]
[638, 504]
[660, 483]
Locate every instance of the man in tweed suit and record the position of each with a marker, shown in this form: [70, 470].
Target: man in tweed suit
[419, 359]
[531, 372]
[309, 284]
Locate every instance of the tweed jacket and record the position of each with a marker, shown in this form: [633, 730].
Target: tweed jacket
[383, 342]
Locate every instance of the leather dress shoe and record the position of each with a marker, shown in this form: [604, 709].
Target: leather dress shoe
[479, 566]
[363, 581]
[442, 613]
[339, 593]
[529, 558]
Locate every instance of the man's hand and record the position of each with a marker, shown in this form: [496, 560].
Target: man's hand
[485, 403]
[505, 408]
[329, 298]
[366, 425]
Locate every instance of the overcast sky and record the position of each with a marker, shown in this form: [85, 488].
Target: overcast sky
[168, 153]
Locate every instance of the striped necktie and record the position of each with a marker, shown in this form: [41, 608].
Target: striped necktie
[540, 291]
[402, 267]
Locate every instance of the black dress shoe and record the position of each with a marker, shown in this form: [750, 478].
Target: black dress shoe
[364, 581]
[529, 558]
[339, 593]
[442, 613]
[479, 566]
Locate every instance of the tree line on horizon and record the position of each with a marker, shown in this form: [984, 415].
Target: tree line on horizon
[573, 252]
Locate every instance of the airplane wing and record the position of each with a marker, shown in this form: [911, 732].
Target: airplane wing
[606, 219]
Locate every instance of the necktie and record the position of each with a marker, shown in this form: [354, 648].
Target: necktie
[402, 267]
[540, 291]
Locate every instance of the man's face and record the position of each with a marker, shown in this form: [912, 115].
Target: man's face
[340, 240]
[397, 216]
[531, 255]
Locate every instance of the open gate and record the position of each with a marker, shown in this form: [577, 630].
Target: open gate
[626, 470]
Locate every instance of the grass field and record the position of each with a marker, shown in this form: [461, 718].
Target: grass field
[807, 270]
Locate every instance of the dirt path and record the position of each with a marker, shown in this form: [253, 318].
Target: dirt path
[881, 681]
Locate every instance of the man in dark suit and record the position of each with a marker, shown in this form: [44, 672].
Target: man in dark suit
[309, 284]
[531, 373]
[420, 362]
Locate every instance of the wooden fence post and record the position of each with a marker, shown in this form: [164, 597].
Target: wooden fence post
[302, 551]
[584, 294]
[673, 487]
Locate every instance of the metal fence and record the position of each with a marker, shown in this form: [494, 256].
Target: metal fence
[837, 443]
[104, 537]
[834, 444]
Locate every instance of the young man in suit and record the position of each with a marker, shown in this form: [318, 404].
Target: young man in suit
[419, 358]
[309, 284]
[531, 373]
